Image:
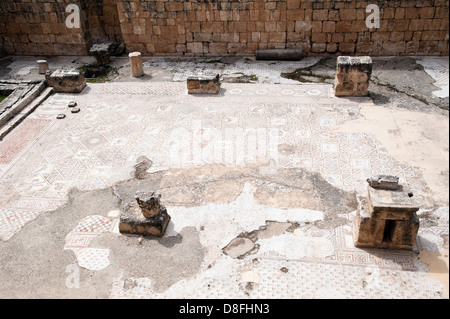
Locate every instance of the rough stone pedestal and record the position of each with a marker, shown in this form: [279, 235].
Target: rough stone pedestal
[137, 68]
[146, 217]
[387, 219]
[353, 76]
[66, 81]
[279, 54]
[42, 66]
[102, 52]
[203, 85]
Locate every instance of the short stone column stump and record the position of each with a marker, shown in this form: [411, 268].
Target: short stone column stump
[137, 68]
[42, 66]
[66, 81]
[203, 85]
[387, 217]
[146, 217]
[353, 76]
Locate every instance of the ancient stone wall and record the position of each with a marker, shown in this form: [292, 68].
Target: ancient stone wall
[39, 27]
[228, 27]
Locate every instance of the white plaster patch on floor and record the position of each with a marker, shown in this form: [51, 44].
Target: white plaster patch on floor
[438, 69]
[242, 215]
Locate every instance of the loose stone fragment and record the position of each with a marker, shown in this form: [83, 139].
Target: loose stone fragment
[149, 203]
[384, 182]
[137, 68]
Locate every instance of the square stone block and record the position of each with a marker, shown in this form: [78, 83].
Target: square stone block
[203, 85]
[353, 76]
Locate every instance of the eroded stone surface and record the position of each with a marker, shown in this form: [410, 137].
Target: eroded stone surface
[149, 203]
[42, 66]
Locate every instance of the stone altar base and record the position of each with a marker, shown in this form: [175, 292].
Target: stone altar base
[386, 219]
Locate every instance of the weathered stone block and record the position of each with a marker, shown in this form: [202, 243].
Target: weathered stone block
[279, 54]
[42, 66]
[133, 222]
[149, 203]
[353, 76]
[384, 182]
[66, 81]
[137, 68]
[203, 85]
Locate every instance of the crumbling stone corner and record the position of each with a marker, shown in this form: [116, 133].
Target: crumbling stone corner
[353, 76]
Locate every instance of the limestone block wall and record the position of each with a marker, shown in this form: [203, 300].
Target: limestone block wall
[30, 27]
[228, 27]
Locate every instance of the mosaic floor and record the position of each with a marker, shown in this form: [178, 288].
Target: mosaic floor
[43, 158]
